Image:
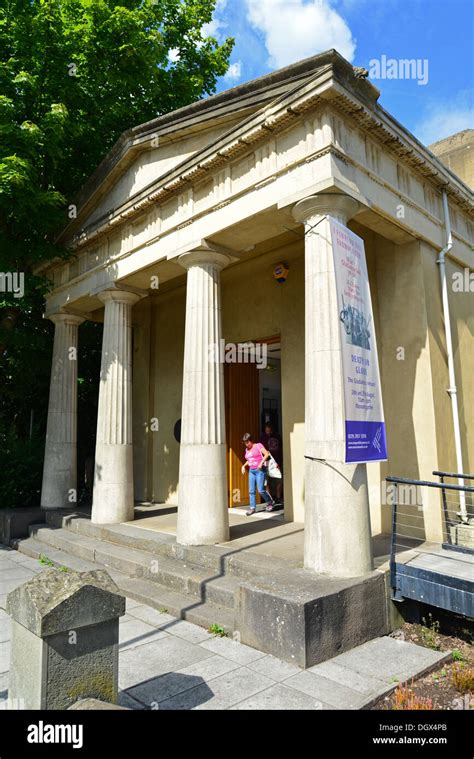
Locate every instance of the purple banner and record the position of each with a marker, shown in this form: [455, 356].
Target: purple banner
[365, 441]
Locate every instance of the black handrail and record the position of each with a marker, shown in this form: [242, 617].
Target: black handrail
[427, 484]
[455, 474]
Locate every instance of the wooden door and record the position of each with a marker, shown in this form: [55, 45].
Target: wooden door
[242, 396]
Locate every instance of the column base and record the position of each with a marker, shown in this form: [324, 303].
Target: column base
[203, 517]
[337, 520]
[113, 484]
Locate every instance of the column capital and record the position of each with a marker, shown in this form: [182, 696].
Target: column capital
[119, 296]
[341, 206]
[204, 252]
[61, 317]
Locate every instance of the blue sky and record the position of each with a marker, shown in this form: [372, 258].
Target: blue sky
[273, 33]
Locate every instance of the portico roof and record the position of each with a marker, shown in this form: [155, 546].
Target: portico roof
[266, 105]
[243, 100]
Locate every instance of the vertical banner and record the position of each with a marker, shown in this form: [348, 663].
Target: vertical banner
[364, 419]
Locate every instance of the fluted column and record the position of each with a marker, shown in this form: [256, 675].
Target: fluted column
[113, 476]
[59, 488]
[337, 518]
[203, 517]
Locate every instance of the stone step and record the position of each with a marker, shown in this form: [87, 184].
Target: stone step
[152, 594]
[171, 573]
[199, 613]
[222, 560]
[35, 549]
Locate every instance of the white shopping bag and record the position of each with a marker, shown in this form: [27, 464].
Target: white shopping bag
[273, 469]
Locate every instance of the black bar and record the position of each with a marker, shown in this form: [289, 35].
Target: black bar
[426, 484]
[445, 509]
[394, 530]
[456, 474]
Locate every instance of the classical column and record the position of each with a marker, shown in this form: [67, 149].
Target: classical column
[337, 519]
[203, 517]
[59, 489]
[113, 476]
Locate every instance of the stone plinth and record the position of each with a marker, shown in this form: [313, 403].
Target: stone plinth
[64, 644]
[305, 620]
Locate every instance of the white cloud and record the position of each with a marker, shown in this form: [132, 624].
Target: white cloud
[444, 118]
[173, 55]
[214, 27]
[296, 29]
[234, 72]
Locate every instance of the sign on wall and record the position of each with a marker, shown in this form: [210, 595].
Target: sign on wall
[364, 419]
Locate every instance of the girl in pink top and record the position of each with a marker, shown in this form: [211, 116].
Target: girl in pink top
[256, 455]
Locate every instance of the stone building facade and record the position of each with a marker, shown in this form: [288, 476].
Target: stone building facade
[175, 244]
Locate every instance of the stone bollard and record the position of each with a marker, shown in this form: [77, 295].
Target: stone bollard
[64, 642]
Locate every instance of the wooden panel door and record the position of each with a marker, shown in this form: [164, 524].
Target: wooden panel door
[242, 396]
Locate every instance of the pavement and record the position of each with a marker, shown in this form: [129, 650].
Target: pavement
[167, 663]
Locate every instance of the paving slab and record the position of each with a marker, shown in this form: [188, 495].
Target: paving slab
[160, 619]
[278, 696]
[29, 563]
[233, 650]
[16, 572]
[165, 655]
[389, 660]
[274, 668]
[131, 603]
[188, 631]
[152, 616]
[128, 702]
[221, 692]
[208, 669]
[134, 633]
[162, 688]
[173, 683]
[366, 684]
[329, 692]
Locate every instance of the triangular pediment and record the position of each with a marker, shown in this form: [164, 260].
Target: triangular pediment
[154, 151]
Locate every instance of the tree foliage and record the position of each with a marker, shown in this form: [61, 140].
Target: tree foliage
[75, 74]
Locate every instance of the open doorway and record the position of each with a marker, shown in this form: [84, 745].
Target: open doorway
[253, 399]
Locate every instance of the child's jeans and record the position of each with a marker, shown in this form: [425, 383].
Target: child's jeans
[257, 481]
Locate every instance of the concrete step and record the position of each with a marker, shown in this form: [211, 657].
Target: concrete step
[171, 573]
[199, 613]
[180, 605]
[222, 560]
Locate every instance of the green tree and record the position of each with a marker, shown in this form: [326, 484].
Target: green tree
[74, 74]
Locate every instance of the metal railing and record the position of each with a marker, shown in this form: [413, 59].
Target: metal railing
[408, 514]
[422, 569]
[457, 512]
